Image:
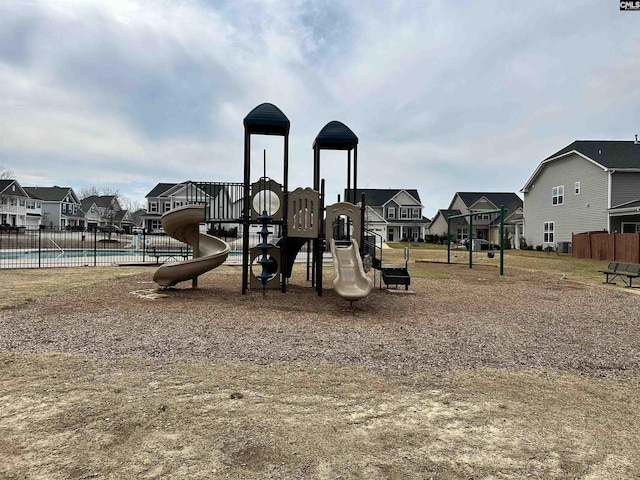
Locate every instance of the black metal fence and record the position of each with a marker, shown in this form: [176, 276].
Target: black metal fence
[64, 248]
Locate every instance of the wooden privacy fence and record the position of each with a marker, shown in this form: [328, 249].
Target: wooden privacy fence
[620, 247]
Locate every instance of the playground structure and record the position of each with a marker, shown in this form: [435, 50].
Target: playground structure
[299, 216]
[209, 252]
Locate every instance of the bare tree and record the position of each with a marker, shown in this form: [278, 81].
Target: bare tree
[127, 203]
[85, 192]
[5, 173]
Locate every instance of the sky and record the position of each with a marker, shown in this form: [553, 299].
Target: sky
[444, 95]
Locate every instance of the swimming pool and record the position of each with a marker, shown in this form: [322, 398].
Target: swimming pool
[66, 253]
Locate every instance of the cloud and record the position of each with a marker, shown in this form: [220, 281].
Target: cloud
[444, 96]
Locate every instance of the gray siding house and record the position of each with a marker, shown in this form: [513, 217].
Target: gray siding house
[589, 185]
[61, 207]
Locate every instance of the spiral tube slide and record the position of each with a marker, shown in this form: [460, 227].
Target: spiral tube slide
[209, 252]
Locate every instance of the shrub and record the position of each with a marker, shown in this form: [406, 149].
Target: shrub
[539, 248]
[548, 249]
[420, 240]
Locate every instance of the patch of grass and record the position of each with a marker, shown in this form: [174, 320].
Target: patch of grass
[417, 245]
[19, 287]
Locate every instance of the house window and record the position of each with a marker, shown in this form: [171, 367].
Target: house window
[576, 188]
[167, 206]
[462, 233]
[391, 212]
[22, 202]
[153, 207]
[557, 195]
[416, 213]
[404, 213]
[630, 227]
[549, 228]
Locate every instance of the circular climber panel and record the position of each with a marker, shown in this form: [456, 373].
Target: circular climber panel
[266, 200]
[272, 267]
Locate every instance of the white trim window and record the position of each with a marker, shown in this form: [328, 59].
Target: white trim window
[462, 233]
[557, 195]
[630, 227]
[548, 232]
[404, 212]
[417, 213]
[391, 212]
[153, 207]
[576, 188]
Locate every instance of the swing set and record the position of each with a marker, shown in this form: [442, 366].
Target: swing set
[471, 215]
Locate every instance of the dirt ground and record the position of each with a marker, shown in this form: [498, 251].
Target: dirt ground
[476, 376]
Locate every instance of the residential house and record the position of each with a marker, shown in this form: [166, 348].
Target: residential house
[439, 225]
[60, 206]
[138, 217]
[485, 225]
[590, 185]
[221, 202]
[13, 205]
[394, 214]
[104, 210]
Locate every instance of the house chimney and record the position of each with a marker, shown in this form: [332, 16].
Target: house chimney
[636, 141]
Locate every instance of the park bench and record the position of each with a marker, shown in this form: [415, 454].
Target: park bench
[175, 254]
[624, 271]
[633, 271]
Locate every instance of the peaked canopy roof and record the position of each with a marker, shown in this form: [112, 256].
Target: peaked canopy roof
[266, 119]
[335, 135]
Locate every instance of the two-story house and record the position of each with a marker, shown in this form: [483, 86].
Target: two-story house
[61, 207]
[394, 214]
[485, 225]
[13, 204]
[104, 210]
[219, 201]
[590, 185]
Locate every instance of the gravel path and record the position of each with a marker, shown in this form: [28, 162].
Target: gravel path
[459, 319]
